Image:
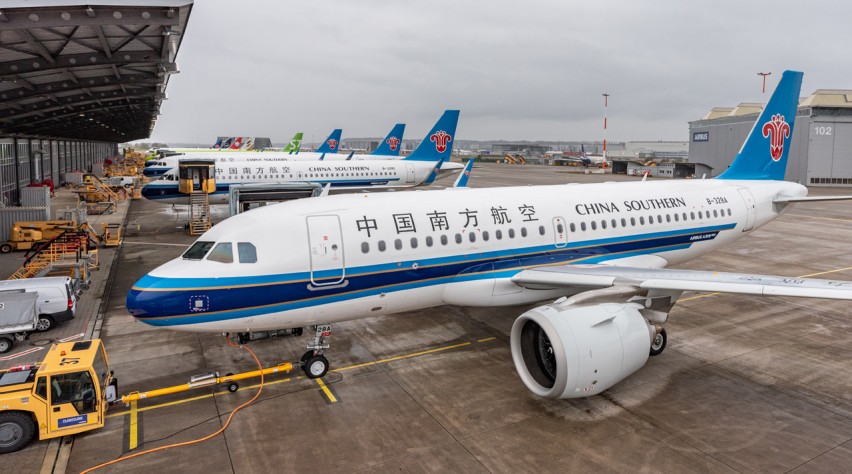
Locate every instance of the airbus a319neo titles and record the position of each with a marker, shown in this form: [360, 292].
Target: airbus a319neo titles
[599, 250]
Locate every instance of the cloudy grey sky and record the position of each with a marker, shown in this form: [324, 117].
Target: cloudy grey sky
[519, 70]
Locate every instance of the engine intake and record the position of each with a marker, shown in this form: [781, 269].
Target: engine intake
[568, 351]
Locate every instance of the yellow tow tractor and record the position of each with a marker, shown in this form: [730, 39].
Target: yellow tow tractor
[68, 393]
[26, 235]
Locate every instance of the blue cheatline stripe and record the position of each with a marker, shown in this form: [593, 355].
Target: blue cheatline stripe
[174, 305]
[471, 258]
[172, 191]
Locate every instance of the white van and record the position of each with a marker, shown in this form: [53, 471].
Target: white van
[56, 299]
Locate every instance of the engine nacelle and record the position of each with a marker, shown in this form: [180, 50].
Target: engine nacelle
[568, 351]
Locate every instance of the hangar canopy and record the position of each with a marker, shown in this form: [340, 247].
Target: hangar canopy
[89, 72]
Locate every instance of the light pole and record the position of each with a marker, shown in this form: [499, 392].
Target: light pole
[764, 74]
[606, 102]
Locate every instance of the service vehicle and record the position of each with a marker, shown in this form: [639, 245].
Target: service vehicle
[65, 394]
[57, 299]
[18, 317]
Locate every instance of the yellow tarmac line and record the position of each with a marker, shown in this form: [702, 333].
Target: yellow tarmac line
[288, 379]
[134, 427]
[486, 339]
[800, 276]
[326, 391]
[823, 218]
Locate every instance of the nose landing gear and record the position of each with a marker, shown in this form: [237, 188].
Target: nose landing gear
[314, 362]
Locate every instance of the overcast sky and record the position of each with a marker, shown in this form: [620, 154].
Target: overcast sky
[519, 70]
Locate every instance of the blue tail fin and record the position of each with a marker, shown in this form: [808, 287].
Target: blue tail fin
[392, 143]
[764, 153]
[330, 144]
[434, 173]
[461, 181]
[438, 144]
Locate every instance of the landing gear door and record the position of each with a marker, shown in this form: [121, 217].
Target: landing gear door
[748, 198]
[325, 242]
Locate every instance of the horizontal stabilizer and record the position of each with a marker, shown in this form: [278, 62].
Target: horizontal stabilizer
[786, 200]
[602, 276]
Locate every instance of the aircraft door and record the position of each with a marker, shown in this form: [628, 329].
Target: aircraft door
[325, 241]
[748, 198]
[560, 232]
[409, 173]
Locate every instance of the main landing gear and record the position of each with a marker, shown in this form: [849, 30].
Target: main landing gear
[659, 342]
[314, 363]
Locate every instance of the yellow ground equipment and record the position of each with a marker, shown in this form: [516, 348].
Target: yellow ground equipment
[67, 393]
[26, 235]
[112, 235]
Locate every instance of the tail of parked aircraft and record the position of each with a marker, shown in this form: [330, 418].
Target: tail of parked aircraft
[764, 153]
[438, 144]
[461, 181]
[330, 144]
[433, 174]
[237, 144]
[218, 143]
[295, 144]
[392, 143]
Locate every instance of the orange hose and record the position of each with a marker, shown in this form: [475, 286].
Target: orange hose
[186, 443]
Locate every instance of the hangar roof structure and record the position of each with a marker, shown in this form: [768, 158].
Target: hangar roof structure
[94, 71]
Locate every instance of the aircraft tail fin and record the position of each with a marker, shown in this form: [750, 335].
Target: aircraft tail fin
[295, 143]
[330, 144]
[764, 153]
[461, 181]
[438, 143]
[434, 173]
[392, 143]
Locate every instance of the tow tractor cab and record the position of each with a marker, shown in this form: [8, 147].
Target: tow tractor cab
[67, 393]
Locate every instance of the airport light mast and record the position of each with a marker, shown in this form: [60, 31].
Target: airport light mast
[606, 102]
[764, 74]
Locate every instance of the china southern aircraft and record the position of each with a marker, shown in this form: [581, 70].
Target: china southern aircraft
[599, 250]
[160, 166]
[414, 170]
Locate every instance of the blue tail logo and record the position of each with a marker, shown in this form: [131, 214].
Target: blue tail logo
[764, 153]
[330, 143]
[777, 130]
[390, 146]
[438, 143]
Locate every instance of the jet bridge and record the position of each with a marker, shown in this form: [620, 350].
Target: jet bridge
[243, 197]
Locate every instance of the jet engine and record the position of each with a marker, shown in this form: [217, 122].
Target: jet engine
[566, 350]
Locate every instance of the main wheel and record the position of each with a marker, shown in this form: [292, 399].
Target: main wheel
[5, 248]
[659, 342]
[316, 367]
[5, 345]
[44, 323]
[16, 431]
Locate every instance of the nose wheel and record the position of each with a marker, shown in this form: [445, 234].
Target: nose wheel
[314, 362]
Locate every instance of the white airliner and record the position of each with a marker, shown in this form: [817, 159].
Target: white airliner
[420, 168]
[601, 249]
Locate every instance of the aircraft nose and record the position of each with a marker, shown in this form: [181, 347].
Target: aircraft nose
[146, 302]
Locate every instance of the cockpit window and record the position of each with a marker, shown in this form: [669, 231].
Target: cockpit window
[198, 250]
[222, 253]
[247, 251]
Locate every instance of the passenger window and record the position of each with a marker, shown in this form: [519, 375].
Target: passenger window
[523, 231]
[729, 212]
[247, 252]
[472, 236]
[684, 216]
[485, 235]
[603, 223]
[198, 250]
[632, 221]
[668, 218]
[365, 247]
[692, 215]
[614, 223]
[382, 246]
[594, 225]
[715, 213]
[498, 233]
[223, 253]
[641, 220]
[623, 222]
[458, 238]
[443, 240]
[429, 241]
[582, 226]
[414, 242]
[701, 215]
[650, 219]
[559, 228]
[676, 218]
[397, 244]
[573, 227]
[541, 229]
[511, 233]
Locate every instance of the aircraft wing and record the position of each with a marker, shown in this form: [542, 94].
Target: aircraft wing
[601, 276]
